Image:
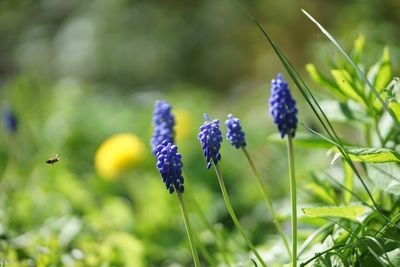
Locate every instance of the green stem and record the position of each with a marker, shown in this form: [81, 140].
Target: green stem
[188, 230]
[219, 240]
[268, 202]
[233, 216]
[313, 236]
[293, 199]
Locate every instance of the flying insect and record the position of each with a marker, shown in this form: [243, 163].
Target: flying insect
[54, 159]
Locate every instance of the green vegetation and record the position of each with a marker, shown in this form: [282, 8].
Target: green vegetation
[78, 80]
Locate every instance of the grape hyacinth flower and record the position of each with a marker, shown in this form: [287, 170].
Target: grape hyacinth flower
[163, 122]
[169, 163]
[210, 139]
[283, 107]
[236, 137]
[283, 110]
[11, 121]
[235, 134]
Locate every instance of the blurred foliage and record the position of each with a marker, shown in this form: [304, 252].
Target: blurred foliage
[145, 44]
[76, 73]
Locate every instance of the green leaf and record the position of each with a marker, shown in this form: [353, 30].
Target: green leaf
[373, 155]
[384, 75]
[348, 212]
[385, 177]
[321, 192]
[344, 81]
[348, 183]
[358, 47]
[324, 81]
[394, 256]
[355, 66]
[303, 139]
[394, 106]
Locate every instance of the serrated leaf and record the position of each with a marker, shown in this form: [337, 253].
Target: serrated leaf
[373, 155]
[385, 177]
[348, 212]
[343, 81]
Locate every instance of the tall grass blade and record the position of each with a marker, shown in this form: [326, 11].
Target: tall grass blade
[313, 103]
[360, 73]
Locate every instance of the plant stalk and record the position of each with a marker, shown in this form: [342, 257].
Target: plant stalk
[268, 202]
[234, 217]
[188, 230]
[293, 199]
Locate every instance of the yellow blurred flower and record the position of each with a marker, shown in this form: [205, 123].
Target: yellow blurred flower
[118, 153]
[183, 123]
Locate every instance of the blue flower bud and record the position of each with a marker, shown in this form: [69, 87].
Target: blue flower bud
[210, 139]
[283, 107]
[169, 164]
[163, 122]
[235, 134]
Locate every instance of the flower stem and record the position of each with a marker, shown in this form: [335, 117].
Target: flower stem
[188, 230]
[268, 202]
[233, 216]
[219, 240]
[293, 199]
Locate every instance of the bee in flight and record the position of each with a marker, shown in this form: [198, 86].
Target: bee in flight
[54, 159]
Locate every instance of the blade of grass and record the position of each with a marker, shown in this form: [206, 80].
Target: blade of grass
[359, 240]
[312, 237]
[234, 217]
[267, 200]
[319, 254]
[312, 102]
[360, 73]
[220, 242]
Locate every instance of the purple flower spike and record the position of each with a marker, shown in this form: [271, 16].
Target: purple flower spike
[210, 139]
[283, 107]
[235, 134]
[163, 122]
[169, 163]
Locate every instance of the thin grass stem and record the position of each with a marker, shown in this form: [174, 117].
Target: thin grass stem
[358, 70]
[234, 217]
[362, 242]
[188, 230]
[220, 242]
[268, 202]
[293, 199]
[312, 237]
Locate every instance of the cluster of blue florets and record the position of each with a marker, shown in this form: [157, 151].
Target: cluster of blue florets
[235, 134]
[210, 139]
[163, 122]
[283, 107]
[169, 163]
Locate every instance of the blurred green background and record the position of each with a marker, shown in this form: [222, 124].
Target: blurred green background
[78, 72]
